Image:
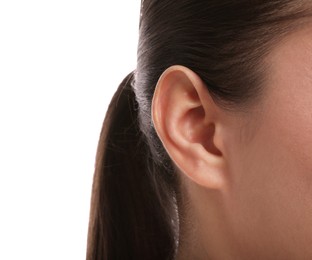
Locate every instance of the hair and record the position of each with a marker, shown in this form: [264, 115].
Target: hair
[136, 196]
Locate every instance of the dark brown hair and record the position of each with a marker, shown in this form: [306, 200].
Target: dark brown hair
[136, 192]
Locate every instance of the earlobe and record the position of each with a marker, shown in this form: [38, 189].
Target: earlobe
[186, 121]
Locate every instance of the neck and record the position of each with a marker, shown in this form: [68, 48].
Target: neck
[202, 231]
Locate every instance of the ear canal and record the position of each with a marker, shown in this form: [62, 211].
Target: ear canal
[209, 144]
[201, 133]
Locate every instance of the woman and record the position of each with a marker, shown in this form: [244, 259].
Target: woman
[206, 148]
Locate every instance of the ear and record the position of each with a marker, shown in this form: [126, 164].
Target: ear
[188, 121]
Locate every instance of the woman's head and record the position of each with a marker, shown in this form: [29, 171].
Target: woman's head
[216, 133]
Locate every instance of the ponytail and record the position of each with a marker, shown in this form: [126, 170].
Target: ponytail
[130, 216]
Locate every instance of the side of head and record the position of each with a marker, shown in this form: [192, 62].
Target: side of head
[213, 82]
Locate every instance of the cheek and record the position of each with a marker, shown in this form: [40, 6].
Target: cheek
[271, 193]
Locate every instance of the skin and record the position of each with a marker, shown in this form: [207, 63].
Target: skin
[246, 177]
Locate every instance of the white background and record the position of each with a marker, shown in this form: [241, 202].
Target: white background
[60, 63]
